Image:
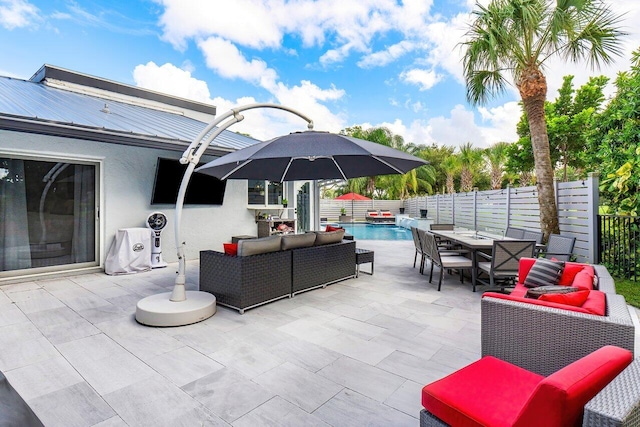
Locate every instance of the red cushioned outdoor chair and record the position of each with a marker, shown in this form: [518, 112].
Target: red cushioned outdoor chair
[491, 392]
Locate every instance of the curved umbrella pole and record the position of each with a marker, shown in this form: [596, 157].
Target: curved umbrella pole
[161, 309]
[192, 156]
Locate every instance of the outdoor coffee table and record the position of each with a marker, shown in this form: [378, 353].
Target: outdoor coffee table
[363, 256]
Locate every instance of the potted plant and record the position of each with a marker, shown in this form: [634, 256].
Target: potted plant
[343, 216]
[285, 203]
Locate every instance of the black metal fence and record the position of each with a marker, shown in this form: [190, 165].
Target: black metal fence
[619, 245]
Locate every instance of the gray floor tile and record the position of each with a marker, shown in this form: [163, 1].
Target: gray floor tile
[76, 405]
[363, 378]
[407, 398]
[247, 359]
[357, 348]
[40, 302]
[304, 354]
[108, 370]
[163, 401]
[277, 412]
[298, 386]
[10, 314]
[349, 408]
[43, 377]
[183, 365]
[142, 341]
[64, 332]
[104, 313]
[356, 328]
[228, 394]
[414, 368]
[309, 330]
[24, 353]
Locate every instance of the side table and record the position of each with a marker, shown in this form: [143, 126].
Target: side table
[363, 256]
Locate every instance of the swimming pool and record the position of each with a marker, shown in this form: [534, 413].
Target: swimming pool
[376, 231]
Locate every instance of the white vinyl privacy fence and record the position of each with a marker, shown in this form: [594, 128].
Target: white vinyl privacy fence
[495, 210]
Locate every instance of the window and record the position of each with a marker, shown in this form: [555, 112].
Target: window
[47, 214]
[265, 192]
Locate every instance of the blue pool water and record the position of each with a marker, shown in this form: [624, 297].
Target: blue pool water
[376, 231]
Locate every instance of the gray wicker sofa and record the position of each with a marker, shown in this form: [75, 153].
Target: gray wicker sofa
[545, 339]
[246, 281]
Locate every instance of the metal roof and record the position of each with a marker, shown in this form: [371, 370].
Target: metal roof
[27, 104]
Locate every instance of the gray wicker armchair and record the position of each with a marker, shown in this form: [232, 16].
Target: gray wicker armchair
[544, 339]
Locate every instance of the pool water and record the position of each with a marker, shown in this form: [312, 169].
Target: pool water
[376, 231]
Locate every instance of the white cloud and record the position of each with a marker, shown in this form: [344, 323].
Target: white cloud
[390, 54]
[424, 79]
[18, 14]
[171, 80]
[225, 58]
[460, 127]
[348, 25]
[264, 124]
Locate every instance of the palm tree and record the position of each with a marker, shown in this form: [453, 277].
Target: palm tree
[470, 159]
[518, 37]
[496, 156]
[451, 166]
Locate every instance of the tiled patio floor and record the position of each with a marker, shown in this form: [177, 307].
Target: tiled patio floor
[356, 353]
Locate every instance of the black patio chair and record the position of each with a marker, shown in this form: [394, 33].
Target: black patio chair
[503, 263]
[559, 247]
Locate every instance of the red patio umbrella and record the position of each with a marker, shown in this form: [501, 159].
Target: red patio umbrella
[352, 197]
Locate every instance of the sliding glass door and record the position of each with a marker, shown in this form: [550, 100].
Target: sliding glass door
[47, 213]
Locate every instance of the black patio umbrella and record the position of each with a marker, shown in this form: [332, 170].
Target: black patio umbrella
[310, 155]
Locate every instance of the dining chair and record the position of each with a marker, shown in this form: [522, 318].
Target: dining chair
[418, 246]
[533, 235]
[514, 233]
[448, 262]
[559, 247]
[503, 263]
[443, 243]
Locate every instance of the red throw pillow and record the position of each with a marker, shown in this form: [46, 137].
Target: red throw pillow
[373, 214]
[569, 273]
[575, 299]
[386, 213]
[332, 228]
[230, 248]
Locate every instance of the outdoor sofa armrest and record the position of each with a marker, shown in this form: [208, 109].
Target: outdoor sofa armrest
[544, 339]
[618, 404]
[605, 281]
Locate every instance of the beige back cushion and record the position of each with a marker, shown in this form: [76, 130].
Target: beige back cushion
[327, 237]
[259, 246]
[293, 241]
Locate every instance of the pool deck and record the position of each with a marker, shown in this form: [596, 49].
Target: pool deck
[356, 353]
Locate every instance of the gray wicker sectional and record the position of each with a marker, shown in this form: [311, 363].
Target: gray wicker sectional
[243, 282]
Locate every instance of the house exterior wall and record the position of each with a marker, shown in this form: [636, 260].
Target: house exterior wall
[126, 185]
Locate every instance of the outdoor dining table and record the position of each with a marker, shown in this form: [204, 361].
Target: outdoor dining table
[472, 240]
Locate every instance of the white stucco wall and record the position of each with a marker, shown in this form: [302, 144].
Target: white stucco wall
[127, 183]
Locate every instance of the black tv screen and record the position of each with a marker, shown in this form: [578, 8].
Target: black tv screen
[202, 189]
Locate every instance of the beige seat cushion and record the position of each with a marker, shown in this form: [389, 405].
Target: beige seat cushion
[293, 241]
[327, 237]
[262, 245]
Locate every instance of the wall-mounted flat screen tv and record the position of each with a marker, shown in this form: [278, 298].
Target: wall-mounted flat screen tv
[202, 189]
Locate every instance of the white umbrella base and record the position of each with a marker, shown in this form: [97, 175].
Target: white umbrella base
[159, 310]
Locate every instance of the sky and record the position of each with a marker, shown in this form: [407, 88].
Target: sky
[343, 63]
